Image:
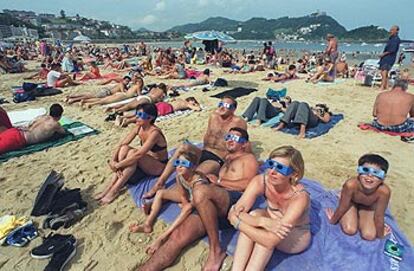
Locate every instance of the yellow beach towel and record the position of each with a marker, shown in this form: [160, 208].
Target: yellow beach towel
[9, 223]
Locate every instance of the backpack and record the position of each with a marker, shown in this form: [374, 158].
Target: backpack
[45, 197]
[276, 95]
[221, 82]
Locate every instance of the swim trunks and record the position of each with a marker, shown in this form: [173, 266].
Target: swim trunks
[234, 197]
[105, 92]
[208, 155]
[164, 108]
[406, 126]
[11, 139]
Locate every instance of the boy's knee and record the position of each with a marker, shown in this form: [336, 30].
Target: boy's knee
[368, 235]
[349, 229]
[199, 194]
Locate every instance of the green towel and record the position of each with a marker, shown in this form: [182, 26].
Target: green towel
[54, 142]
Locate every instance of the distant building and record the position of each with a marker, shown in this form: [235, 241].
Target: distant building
[47, 16]
[12, 32]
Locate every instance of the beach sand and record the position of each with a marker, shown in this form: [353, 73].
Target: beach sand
[104, 242]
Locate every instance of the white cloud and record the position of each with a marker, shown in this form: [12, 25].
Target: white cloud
[160, 6]
[148, 19]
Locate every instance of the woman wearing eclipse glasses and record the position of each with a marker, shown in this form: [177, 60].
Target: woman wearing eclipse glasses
[284, 224]
[133, 164]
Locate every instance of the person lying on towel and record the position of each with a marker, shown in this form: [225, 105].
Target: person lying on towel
[264, 109]
[288, 75]
[5, 122]
[300, 113]
[284, 225]
[394, 109]
[40, 130]
[163, 109]
[364, 199]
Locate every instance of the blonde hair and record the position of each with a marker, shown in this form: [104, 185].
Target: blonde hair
[295, 159]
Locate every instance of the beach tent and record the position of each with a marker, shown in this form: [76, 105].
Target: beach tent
[82, 39]
[210, 35]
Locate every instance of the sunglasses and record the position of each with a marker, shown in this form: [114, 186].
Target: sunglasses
[235, 138]
[143, 115]
[226, 105]
[282, 169]
[182, 163]
[379, 173]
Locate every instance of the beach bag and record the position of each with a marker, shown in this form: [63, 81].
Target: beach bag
[20, 96]
[221, 82]
[45, 197]
[276, 95]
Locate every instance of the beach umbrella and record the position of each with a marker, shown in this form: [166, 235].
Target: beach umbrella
[82, 38]
[210, 35]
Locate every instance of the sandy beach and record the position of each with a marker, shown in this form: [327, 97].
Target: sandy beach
[104, 242]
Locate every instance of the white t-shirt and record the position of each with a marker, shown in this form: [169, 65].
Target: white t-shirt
[52, 78]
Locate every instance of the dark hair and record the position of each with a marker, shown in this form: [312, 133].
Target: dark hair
[127, 77]
[206, 72]
[163, 87]
[189, 99]
[374, 159]
[55, 66]
[291, 67]
[56, 110]
[243, 132]
[150, 109]
[43, 65]
[232, 99]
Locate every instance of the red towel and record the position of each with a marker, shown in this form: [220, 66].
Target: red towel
[11, 139]
[367, 126]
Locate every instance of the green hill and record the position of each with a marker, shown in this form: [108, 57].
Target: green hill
[367, 33]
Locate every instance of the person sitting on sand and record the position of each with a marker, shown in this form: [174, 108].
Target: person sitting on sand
[264, 109]
[186, 180]
[288, 75]
[133, 89]
[324, 72]
[5, 122]
[41, 74]
[163, 108]
[57, 79]
[178, 72]
[394, 110]
[300, 113]
[93, 73]
[342, 68]
[132, 165]
[364, 199]
[122, 87]
[156, 94]
[284, 225]
[203, 79]
[40, 130]
[212, 202]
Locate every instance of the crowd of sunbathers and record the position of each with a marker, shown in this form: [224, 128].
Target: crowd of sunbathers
[221, 179]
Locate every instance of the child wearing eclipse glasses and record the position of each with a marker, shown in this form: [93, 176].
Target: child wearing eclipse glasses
[364, 199]
[187, 178]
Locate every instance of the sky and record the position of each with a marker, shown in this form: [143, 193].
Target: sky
[160, 15]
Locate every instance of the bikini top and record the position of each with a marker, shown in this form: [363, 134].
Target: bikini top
[305, 226]
[156, 148]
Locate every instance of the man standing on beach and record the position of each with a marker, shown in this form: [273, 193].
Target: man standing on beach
[388, 57]
[212, 202]
[332, 48]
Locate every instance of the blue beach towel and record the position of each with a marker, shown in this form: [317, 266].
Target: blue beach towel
[330, 249]
[319, 130]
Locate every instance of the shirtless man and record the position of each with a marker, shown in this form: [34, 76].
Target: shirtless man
[394, 109]
[214, 151]
[212, 202]
[332, 47]
[40, 130]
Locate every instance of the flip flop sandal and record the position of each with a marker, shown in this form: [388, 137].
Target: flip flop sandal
[22, 235]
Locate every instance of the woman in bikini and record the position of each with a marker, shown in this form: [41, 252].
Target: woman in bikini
[284, 224]
[187, 178]
[131, 165]
[93, 73]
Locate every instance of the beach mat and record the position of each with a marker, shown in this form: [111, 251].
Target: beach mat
[337, 81]
[320, 129]
[235, 92]
[368, 126]
[78, 130]
[330, 249]
[20, 118]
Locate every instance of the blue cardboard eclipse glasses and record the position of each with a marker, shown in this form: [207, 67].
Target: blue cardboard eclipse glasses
[282, 169]
[143, 115]
[235, 138]
[227, 105]
[379, 173]
[182, 163]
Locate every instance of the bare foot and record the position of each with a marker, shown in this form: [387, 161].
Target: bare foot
[279, 127]
[301, 136]
[108, 198]
[99, 196]
[135, 227]
[150, 250]
[214, 261]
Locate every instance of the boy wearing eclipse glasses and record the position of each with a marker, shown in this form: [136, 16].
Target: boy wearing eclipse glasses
[364, 199]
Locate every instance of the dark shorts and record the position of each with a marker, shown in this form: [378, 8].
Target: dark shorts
[405, 127]
[207, 155]
[223, 222]
[385, 66]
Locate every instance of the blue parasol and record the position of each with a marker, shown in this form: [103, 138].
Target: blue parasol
[210, 35]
